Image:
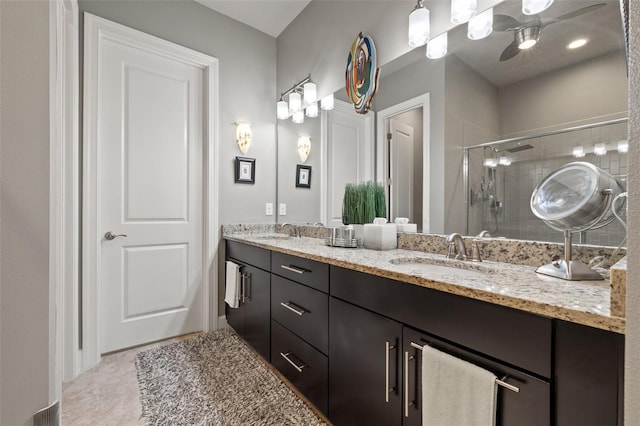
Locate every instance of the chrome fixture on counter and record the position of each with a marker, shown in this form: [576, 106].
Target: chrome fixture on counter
[296, 230]
[458, 251]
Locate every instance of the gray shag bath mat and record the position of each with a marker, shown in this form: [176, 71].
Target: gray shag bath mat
[214, 379]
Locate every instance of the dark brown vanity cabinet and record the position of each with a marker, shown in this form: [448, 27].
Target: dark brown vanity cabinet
[300, 324]
[251, 320]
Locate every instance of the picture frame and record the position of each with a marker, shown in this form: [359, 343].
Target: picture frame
[245, 170]
[303, 176]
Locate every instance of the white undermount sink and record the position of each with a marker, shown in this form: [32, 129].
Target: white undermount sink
[442, 266]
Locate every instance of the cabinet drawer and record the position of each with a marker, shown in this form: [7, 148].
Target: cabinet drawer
[302, 310]
[516, 337]
[305, 271]
[301, 364]
[531, 406]
[249, 255]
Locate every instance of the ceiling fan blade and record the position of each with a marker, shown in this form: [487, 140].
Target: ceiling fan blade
[510, 51]
[575, 13]
[505, 23]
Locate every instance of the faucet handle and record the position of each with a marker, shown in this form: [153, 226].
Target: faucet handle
[451, 250]
[476, 255]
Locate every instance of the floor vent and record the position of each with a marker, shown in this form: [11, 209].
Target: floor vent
[49, 416]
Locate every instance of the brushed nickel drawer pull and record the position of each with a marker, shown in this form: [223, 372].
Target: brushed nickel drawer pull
[296, 366]
[387, 348]
[295, 269]
[300, 311]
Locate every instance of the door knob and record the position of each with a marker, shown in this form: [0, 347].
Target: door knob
[111, 236]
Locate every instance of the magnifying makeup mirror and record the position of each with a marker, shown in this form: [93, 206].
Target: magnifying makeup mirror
[574, 198]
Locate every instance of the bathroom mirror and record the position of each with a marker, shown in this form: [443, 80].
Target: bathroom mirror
[469, 97]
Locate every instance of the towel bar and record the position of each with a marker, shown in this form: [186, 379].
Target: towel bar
[499, 382]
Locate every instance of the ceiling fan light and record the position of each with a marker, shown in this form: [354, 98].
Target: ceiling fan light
[481, 25]
[527, 37]
[437, 47]
[533, 7]
[419, 26]
[463, 10]
[527, 44]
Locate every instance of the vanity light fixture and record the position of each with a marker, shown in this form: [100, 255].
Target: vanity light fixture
[578, 151]
[463, 10]
[577, 43]
[303, 98]
[437, 46]
[533, 7]
[481, 25]
[326, 103]
[243, 136]
[599, 149]
[304, 147]
[312, 110]
[298, 117]
[623, 147]
[504, 161]
[419, 26]
[490, 162]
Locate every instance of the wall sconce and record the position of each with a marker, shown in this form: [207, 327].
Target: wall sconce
[419, 26]
[303, 98]
[462, 10]
[304, 148]
[599, 149]
[578, 151]
[437, 47]
[243, 136]
[480, 25]
[533, 7]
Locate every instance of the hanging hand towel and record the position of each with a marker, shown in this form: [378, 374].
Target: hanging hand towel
[456, 392]
[232, 293]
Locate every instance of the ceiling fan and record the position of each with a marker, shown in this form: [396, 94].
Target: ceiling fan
[526, 34]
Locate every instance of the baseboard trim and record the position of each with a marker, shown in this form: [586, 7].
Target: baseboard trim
[222, 323]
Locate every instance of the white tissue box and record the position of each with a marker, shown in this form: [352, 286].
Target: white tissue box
[407, 227]
[380, 236]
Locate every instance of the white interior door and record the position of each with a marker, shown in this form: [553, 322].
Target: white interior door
[150, 116]
[401, 165]
[350, 147]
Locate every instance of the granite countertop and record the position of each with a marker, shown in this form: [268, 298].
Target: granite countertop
[514, 286]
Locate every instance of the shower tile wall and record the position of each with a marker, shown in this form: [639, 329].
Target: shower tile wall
[513, 185]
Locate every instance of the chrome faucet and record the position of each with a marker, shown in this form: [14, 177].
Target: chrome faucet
[456, 249]
[318, 224]
[484, 234]
[296, 231]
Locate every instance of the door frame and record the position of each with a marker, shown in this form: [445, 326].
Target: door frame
[97, 29]
[382, 152]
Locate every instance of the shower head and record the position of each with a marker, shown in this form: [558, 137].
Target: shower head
[519, 148]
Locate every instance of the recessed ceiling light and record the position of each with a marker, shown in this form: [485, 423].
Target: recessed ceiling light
[577, 43]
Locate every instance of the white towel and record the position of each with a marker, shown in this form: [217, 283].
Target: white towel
[232, 281]
[456, 392]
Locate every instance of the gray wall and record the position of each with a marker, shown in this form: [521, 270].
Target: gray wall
[24, 211]
[303, 204]
[247, 60]
[632, 340]
[564, 98]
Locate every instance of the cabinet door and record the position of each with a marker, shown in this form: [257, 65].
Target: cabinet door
[364, 379]
[531, 406]
[235, 318]
[258, 310]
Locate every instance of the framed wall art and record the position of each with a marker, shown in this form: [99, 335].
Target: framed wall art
[303, 176]
[245, 170]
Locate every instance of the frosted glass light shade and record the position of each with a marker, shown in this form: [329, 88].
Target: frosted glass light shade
[480, 25]
[304, 148]
[578, 151]
[282, 110]
[419, 26]
[298, 117]
[623, 147]
[490, 162]
[327, 102]
[599, 149]
[504, 161]
[310, 94]
[532, 7]
[437, 47]
[312, 110]
[243, 136]
[462, 10]
[295, 102]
